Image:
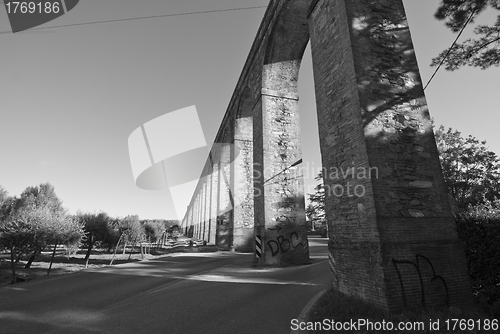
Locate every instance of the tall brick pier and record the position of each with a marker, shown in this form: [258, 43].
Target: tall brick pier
[392, 238]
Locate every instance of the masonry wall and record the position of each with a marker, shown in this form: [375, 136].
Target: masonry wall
[373, 117]
[393, 240]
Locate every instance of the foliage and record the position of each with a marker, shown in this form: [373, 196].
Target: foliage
[343, 308]
[31, 229]
[482, 52]
[69, 231]
[315, 211]
[6, 204]
[42, 218]
[40, 196]
[112, 235]
[153, 229]
[471, 172]
[171, 224]
[132, 229]
[16, 235]
[43, 226]
[173, 228]
[95, 227]
[3, 195]
[479, 229]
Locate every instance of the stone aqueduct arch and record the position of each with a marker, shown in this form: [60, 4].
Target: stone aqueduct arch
[397, 245]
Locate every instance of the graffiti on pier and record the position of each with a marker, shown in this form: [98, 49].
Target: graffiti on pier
[283, 245]
[417, 265]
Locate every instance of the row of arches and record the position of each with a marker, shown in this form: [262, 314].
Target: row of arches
[372, 117]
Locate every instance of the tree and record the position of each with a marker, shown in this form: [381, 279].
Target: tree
[482, 52]
[68, 231]
[43, 195]
[173, 228]
[479, 229]
[3, 195]
[471, 172]
[32, 229]
[154, 230]
[315, 211]
[14, 236]
[6, 204]
[113, 234]
[40, 207]
[96, 229]
[33, 221]
[132, 230]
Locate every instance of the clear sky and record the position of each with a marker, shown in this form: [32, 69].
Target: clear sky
[71, 96]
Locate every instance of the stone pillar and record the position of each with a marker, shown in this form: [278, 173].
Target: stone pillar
[195, 213]
[209, 203]
[280, 210]
[285, 233]
[206, 203]
[258, 177]
[242, 185]
[203, 209]
[200, 206]
[198, 215]
[225, 210]
[214, 187]
[185, 223]
[189, 226]
[393, 240]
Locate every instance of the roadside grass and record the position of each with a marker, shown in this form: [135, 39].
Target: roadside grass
[333, 305]
[64, 264]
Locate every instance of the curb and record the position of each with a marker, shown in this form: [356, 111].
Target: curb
[303, 314]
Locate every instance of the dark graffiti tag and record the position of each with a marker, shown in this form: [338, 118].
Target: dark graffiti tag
[416, 265]
[283, 245]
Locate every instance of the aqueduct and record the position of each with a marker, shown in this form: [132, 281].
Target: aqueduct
[396, 246]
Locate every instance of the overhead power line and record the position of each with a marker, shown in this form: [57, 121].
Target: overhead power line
[143, 18]
[298, 162]
[451, 48]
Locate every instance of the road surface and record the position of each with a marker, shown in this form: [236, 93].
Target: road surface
[181, 293]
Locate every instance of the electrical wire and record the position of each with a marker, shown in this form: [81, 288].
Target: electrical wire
[451, 48]
[143, 18]
[298, 162]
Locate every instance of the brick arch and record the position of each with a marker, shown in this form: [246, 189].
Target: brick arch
[290, 33]
[285, 48]
[246, 103]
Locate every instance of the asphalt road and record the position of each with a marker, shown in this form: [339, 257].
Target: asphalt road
[181, 293]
